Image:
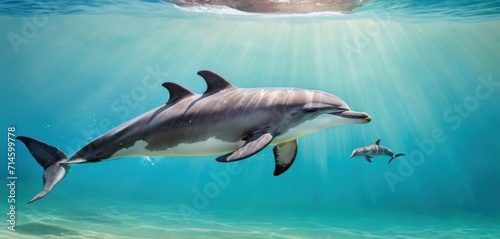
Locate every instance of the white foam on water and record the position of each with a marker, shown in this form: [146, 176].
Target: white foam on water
[223, 10]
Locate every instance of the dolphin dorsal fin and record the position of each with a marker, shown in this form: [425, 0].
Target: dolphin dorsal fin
[176, 91]
[215, 83]
[377, 142]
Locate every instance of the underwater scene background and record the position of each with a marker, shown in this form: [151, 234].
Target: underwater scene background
[427, 72]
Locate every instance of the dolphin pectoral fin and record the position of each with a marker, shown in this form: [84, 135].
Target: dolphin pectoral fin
[284, 155]
[253, 145]
[368, 158]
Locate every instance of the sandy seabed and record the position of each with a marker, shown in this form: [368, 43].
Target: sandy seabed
[128, 220]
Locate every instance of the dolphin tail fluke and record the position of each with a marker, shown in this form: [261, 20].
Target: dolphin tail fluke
[395, 156]
[50, 158]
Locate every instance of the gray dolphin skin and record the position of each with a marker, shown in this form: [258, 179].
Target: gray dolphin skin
[235, 122]
[278, 6]
[374, 150]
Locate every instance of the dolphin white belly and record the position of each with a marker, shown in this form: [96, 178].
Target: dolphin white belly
[208, 147]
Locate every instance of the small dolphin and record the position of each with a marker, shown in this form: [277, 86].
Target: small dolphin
[374, 150]
[228, 120]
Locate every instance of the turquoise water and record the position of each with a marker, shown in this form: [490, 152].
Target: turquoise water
[427, 73]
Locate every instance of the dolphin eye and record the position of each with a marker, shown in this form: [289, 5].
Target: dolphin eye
[310, 110]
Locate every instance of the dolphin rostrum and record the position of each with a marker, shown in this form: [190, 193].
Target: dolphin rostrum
[235, 122]
[374, 150]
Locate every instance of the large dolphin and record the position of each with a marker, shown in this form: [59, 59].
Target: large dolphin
[227, 120]
[278, 6]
